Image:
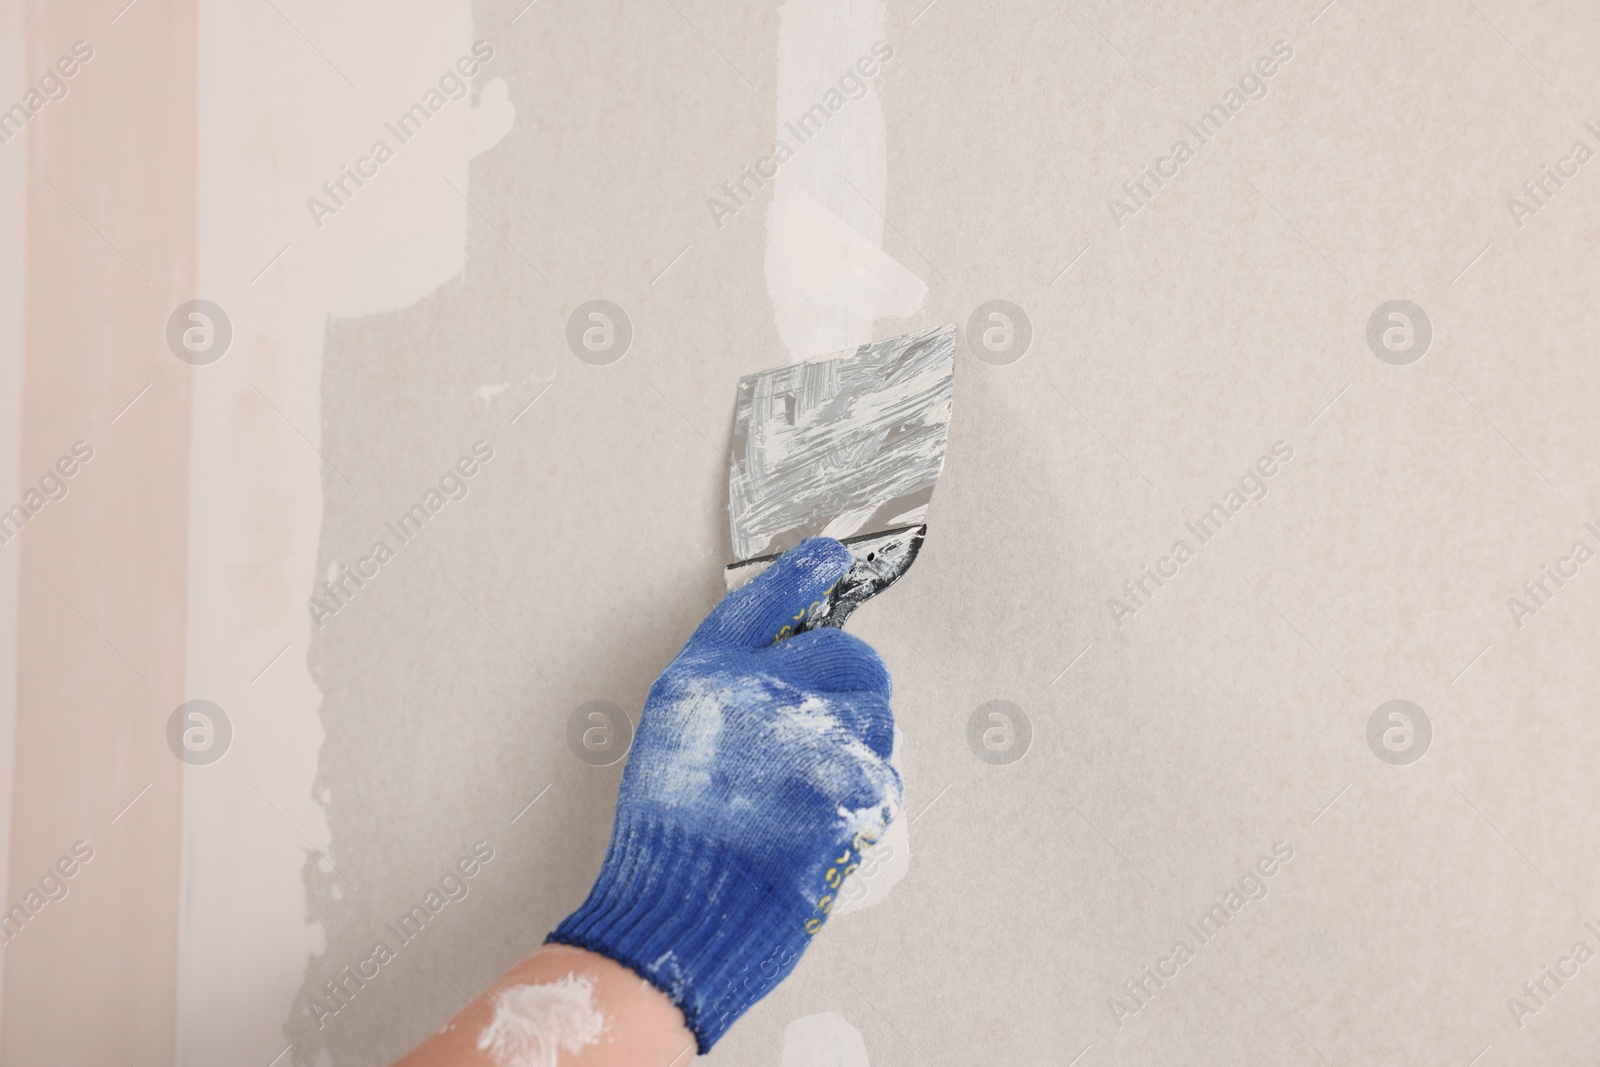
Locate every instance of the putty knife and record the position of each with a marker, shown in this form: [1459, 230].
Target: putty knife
[848, 448]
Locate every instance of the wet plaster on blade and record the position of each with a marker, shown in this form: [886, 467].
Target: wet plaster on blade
[534, 1024]
[842, 446]
[827, 275]
[247, 930]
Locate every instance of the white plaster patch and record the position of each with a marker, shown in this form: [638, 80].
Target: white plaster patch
[824, 1040]
[534, 1024]
[487, 392]
[827, 274]
[247, 929]
[429, 215]
[828, 282]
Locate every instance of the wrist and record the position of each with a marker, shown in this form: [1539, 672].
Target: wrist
[562, 1004]
[706, 930]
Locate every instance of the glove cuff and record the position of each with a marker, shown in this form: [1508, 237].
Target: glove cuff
[690, 918]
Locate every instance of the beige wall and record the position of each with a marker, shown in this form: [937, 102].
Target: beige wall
[110, 250]
[1171, 348]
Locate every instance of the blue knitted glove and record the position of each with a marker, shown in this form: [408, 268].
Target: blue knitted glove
[760, 770]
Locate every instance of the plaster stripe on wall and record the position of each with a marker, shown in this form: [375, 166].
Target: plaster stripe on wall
[13, 300]
[100, 595]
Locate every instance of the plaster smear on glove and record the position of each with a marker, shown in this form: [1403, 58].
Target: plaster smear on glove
[534, 1024]
[695, 725]
[884, 864]
[811, 724]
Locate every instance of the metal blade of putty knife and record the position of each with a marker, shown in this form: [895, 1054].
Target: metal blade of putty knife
[848, 448]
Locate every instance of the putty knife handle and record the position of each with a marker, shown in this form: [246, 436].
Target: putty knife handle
[880, 560]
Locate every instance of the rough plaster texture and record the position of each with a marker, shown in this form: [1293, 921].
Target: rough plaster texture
[1173, 346]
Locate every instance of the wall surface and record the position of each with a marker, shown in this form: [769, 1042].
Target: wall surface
[101, 495]
[1275, 407]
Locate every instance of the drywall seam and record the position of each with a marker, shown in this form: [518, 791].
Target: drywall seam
[283, 258]
[13, 302]
[827, 275]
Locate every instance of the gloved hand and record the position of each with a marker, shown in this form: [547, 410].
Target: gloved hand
[760, 770]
